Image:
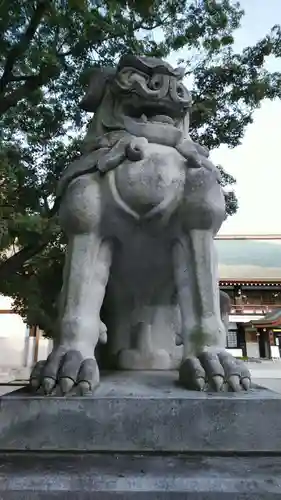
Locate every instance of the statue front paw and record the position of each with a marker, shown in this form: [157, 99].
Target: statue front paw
[197, 156]
[215, 370]
[65, 371]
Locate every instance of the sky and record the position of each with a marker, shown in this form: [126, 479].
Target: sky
[256, 163]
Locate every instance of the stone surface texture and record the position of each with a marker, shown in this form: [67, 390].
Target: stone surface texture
[143, 413]
[140, 208]
[145, 439]
[138, 477]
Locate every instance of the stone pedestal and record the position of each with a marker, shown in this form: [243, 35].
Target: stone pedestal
[141, 436]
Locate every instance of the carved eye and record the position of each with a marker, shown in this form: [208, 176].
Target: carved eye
[125, 76]
[180, 91]
[155, 82]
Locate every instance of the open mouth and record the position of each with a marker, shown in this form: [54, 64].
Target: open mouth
[160, 123]
[154, 114]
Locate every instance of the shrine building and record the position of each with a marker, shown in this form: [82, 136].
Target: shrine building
[250, 272]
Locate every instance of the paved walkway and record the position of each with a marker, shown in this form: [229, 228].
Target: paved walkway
[267, 374]
[274, 384]
[266, 369]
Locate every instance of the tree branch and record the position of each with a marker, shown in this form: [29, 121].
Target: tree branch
[142, 26]
[46, 208]
[19, 48]
[31, 84]
[17, 261]
[21, 78]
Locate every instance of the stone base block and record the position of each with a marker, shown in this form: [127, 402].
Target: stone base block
[141, 437]
[137, 412]
[125, 477]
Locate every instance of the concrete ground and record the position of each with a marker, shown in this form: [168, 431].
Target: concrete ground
[4, 389]
[266, 373]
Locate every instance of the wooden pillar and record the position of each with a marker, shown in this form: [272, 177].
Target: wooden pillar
[26, 346]
[36, 334]
[271, 338]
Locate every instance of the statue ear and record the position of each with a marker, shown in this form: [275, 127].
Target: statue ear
[180, 72]
[97, 81]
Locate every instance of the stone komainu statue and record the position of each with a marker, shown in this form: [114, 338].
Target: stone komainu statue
[140, 207]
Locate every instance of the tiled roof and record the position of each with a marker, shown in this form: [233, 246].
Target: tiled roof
[271, 319]
[249, 259]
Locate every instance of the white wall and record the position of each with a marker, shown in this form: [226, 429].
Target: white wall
[13, 332]
[253, 349]
[16, 347]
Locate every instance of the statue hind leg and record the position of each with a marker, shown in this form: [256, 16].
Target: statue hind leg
[72, 362]
[142, 355]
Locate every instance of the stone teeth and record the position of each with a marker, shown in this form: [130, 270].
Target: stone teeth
[163, 119]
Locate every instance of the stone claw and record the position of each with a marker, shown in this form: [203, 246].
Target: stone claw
[48, 384]
[246, 383]
[216, 382]
[200, 382]
[67, 370]
[35, 375]
[216, 370]
[192, 374]
[66, 384]
[84, 388]
[234, 383]
[34, 383]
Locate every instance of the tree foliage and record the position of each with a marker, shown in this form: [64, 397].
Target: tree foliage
[47, 48]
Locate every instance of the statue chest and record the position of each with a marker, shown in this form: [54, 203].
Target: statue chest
[158, 178]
